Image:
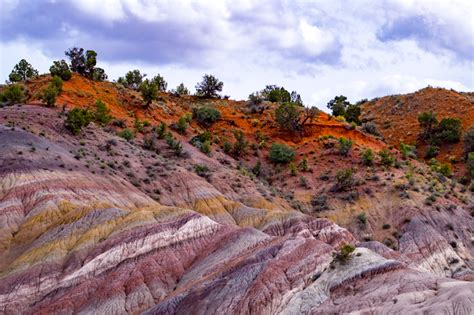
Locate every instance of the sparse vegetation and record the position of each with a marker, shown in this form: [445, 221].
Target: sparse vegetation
[370, 127]
[180, 90]
[133, 79]
[127, 134]
[84, 63]
[61, 69]
[22, 71]
[345, 146]
[206, 116]
[102, 113]
[344, 179]
[368, 157]
[241, 144]
[281, 153]
[209, 86]
[386, 158]
[78, 118]
[344, 253]
[149, 92]
[13, 94]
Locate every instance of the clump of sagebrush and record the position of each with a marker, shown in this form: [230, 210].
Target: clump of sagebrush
[78, 118]
[344, 254]
[368, 157]
[386, 158]
[344, 179]
[206, 116]
[127, 134]
[345, 146]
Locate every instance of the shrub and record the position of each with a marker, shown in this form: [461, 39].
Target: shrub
[174, 145]
[320, 202]
[149, 143]
[281, 153]
[76, 119]
[293, 169]
[345, 146]
[344, 179]
[303, 166]
[431, 152]
[386, 226]
[428, 123]
[181, 125]
[127, 134]
[408, 151]
[470, 164]
[209, 86]
[370, 127]
[386, 157]
[49, 94]
[149, 92]
[361, 218]
[469, 140]
[57, 82]
[85, 63]
[201, 170]
[227, 147]
[22, 71]
[445, 169]
[161, 130]
[202, 142]
[257, 169]
[344, 253]
[13, 94]
[287, 116]
[448, 131]
[352, 114]
[60, 69]
[206, 116]
[102, 113]
[241, 144]
[273, 93]
[368, 157]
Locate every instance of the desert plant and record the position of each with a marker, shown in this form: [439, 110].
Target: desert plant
[362, 218]
[49, 94]
[344, 253]
[344, 179]
[241, 144]
[180, 90]
[273, 93]
[161, 131]
[133, 79]
[303, 166]
[281, 153]
[57, 82]
[368, 157]
[102, 113]
[159, 82]
[13, 94]
[209, 86]
[22, 71]
[468, 140]
[431, 152]
[127, 134]
[470, 164]
[85, 63]
[149, 92]
[448, 131]
[370, 127]
[338, 105]
[428, 123]
[76, 119]
[345, 146]
[181, 125]
[61, 69]
[206, 116]
[293, 169]
[386, 157]
[201, 170]
[287, 116]
[352, 114]
[408, 151]
[257, 169]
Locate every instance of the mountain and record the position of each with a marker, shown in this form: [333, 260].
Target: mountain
[397, 118]
[99, 224]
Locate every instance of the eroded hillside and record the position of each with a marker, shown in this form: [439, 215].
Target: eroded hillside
[93, 222]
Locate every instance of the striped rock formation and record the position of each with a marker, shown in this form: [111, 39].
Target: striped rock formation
[83, 237]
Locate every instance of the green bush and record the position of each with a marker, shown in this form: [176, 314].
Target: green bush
[408, 151]
[368, 157]
[448, 131]
[13, 94]
[102, 113]
[133, 79]
[370, 127]
[202, 142]
[60, 69]
[161, 131]
[181, 125]
[470, 164]
[361, 218]
[281, 153]
[468, 140]
[338, 105]
[57, 82]
[180, 90]
[273, 93]
[78, 118]
[344, 253]
[344, 179]
[386, 157]
[127, 134]
[149, 92]
[431, 152]
[206, 116]
[49, 94]
[159, 82]
[201, 170]
[345, 146]
[241, 144]
[293, 169]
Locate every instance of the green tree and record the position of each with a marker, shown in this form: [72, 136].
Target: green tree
[288, 115]
[133, 79]
[159, 82]
[209, 86]
[61, 69]
[22, 71]
[149, 92]
[273, 93]
[352, 113]
[180, 90]
[84, 63]
[338, 105]
[281, 153]
[448, 130]
[49, 94]
[428, 123]
[57, 82]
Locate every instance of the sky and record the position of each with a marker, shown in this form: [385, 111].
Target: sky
[361, 49]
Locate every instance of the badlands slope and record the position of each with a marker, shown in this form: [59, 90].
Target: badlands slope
[95, 224]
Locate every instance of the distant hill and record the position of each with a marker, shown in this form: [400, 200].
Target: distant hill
[397, 117]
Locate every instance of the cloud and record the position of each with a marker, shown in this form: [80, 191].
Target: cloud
[318, 48]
